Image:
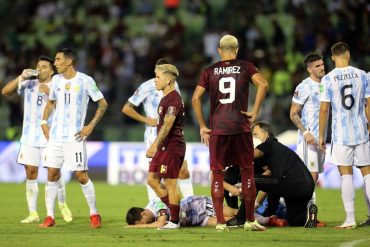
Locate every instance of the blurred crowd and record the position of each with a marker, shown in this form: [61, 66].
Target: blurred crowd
[118, 42]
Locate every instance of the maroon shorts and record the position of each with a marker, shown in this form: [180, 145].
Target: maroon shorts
[226, 150]
[166, 164]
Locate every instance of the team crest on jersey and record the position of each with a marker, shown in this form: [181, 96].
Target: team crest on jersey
[163, 169]
[160, 110]
[67, 86]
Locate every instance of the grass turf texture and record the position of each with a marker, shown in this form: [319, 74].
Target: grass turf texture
[113, 201]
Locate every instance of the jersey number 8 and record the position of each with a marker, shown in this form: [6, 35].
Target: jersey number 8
[227, 90]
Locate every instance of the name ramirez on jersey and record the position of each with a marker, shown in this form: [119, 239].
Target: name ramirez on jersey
[227, 70]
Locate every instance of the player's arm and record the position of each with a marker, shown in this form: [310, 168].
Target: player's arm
[295, 112]
[257, 153]
[161, 221]
[261, 195]
[87, 130]
[262, 85]
[129, 110]
[197, 106]
[367, 112]
[232, 189]
[12, 85]
[50, 105]
[323, 118]
[168, 121]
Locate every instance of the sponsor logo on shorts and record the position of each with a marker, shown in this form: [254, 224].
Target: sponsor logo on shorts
[163, 169]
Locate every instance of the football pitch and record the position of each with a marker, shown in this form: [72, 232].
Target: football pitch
[113, 201]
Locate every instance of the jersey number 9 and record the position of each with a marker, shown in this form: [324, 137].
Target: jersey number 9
[230, 89]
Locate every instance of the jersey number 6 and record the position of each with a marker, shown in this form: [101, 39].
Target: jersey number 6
[347, 98]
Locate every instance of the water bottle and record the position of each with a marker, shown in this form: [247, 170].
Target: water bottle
[32, 74]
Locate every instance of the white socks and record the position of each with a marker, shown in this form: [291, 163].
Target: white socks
[51, 191]
[186, 187]
[61, 190]
[348, 198]
[313, 198]
[89, 192]
[32, 192]
[367, 192]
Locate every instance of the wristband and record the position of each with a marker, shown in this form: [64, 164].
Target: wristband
[43, 122]
[306, 132]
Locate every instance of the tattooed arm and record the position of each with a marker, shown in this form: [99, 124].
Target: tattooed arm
[87, 130]
[295, 111]
[168, 121]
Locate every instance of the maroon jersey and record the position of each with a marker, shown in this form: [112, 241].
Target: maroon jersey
[172, 104]
[228, 85]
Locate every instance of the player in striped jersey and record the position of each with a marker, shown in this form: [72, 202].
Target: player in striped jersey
[149, 96]
[194, 211]
[346, 89]
[304, 113]
[35, 91]
[367, 221]
[70, 92]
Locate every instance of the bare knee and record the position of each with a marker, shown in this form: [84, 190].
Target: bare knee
[53, 174]
[153, 182]
[184, 171]
[82, 177]
[31, 172]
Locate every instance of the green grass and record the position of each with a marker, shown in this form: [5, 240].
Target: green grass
[113, 201]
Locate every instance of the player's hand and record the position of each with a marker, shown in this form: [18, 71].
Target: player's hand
[151, 150]
[310, 139]
[235, 191]
[25, 74]
[205, 134]
[84, 133]
[43, 88]
[252, 116]
[46, 129]
[322, 144]
[152, 121]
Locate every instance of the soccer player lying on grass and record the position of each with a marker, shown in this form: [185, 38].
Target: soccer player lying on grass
[194, 211]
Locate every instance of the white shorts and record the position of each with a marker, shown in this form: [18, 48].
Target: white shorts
[355, 155]
[312, 157]
[31, 156]
[149, 136]
[73, 154]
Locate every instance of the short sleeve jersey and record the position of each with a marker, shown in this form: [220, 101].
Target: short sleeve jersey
[228, 85]
[172, 104]
[283, 163]
[34, 105]
[307, 94]
[150, 97]
[72, 99]
[158, 208]
[346, 89]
